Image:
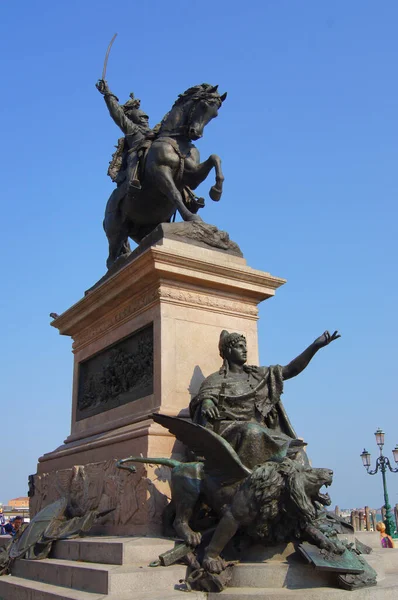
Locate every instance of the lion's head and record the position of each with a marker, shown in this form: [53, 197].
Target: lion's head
[288, 488]
[304, 486]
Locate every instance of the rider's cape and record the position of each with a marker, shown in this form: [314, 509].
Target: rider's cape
[116, 161]
[126, 147]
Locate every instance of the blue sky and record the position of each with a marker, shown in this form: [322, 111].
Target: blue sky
[309, 141]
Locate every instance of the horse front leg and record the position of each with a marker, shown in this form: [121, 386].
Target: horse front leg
[216, 190]
[197, 173]
[164, 180]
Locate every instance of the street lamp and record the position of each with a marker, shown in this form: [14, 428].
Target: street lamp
[382, 463]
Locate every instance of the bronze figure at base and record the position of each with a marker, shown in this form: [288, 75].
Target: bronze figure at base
[251, 475]
[240, 479]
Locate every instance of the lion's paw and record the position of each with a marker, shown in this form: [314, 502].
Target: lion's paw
[190, 537]
[193, 539]
[214, 565]
[333, 547]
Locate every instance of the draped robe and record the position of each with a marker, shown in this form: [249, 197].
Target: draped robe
[252, 417]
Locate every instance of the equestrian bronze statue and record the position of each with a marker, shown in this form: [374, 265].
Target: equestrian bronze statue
[156, 170]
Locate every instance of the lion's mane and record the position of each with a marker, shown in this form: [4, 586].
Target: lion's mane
[278, 487]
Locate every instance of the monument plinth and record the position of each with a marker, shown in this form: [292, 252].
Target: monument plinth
[166, 377]
[143, 341]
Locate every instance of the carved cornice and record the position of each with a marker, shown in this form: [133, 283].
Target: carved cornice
[212, 302]
[224, 283]
[163, 293]
[234, 274]
[128, 310]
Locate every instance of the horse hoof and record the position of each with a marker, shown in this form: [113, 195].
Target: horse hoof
[215, 193]
[195, 218]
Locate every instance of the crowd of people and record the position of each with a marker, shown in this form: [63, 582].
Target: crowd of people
[12, 526]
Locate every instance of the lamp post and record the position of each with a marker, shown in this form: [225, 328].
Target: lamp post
[382, 463]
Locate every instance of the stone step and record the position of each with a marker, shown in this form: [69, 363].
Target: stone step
[385, 590]
[112, 550]
[65, 573]
[15, 588]
[99, 578]
[160, 595]
[297, 573]
[281, 574]
[379, 564]
[145, 579]
[383, 560]
[370, 538]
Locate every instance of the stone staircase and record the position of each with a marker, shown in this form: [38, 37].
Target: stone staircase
[115, 568]
[294, 580]
[111, 568]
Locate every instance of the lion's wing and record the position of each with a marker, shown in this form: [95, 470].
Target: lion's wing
[221, 459]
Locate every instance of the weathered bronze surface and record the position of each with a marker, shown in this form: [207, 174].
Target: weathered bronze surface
[53, 522]
[353, 570]
[195, 233]
[117, 375]
[249, 474]
[276, 501]
[242, 402]
[351, 581]
[344, 563]
[37, 527]
[156, 170]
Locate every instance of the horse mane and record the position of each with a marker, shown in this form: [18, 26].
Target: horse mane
[204, 90]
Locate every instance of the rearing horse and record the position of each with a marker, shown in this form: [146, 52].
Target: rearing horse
[172, 163]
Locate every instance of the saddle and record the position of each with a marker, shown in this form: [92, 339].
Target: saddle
[118, 166]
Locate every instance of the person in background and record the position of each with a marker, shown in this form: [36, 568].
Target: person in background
[8, 529]
[2, 522]
[386, 540]
[16, 523]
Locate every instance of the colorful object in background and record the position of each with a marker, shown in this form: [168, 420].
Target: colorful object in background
[2, 522]
[386, 540]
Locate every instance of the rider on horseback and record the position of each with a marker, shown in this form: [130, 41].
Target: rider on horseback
[134, 124]
[125, 163]
[170, 168]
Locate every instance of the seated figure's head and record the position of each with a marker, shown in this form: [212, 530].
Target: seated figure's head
[233, 348]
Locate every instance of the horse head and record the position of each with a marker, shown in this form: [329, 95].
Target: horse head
[192, 111]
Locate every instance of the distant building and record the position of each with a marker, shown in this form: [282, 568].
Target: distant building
[21, 503]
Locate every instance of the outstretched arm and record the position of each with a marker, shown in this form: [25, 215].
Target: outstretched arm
[115, 110]
[299, 363]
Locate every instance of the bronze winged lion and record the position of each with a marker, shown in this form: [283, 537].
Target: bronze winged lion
[276, 501]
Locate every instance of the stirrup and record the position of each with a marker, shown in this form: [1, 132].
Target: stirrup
[135, 183]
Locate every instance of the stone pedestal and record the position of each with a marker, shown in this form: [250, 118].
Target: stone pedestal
[143, 341]
[116, 568]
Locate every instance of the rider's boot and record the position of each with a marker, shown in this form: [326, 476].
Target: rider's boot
[135, 183]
